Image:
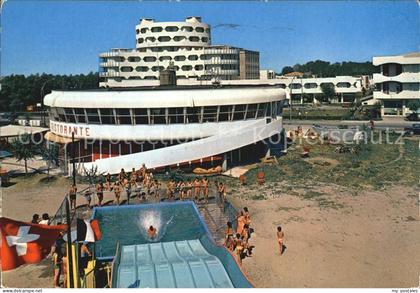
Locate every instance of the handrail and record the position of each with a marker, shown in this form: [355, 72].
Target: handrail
[115, 264]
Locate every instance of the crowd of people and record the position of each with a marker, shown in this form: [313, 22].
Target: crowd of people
[238, 241]
[142, 185]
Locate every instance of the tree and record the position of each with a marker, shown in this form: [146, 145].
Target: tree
[286, 70]
[414, 105]
[50, 155]
[23, 148]
[328, 91]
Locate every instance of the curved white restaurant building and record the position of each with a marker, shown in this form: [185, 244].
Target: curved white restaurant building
[164, 126]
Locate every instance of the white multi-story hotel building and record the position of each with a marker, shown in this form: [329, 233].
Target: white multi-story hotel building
[186, 45]
[161, 126]
[398, 83]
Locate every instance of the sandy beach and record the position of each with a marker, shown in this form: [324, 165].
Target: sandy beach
[370, 240]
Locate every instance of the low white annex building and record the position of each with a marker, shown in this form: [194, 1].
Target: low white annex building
[398, 83]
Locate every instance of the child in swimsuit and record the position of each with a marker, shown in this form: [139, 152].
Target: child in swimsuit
[280, 236]
[100, 193]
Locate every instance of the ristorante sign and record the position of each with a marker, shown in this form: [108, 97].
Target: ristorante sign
[64, 129]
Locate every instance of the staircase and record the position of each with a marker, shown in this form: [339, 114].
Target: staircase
[215, 219]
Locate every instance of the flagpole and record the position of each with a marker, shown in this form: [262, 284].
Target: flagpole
[69, 248]
[72, 156]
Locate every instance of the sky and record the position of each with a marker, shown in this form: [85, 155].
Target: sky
[65, 37]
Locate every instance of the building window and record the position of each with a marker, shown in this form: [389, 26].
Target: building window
[186, 68]
[262, 109]
[140, 116]
[199, 30]
[187, 29]
[133, 59]
[164, 39]
[225, 113]
[251, 111]
[126, 69]
[239, 112]
[92, 116]
[61, 115]
[107, 116]
[171, 29]
[80, 115]
[69, 115]
[123, 116]
[157, 29]
[210, 114]
[142, 69]
[193, 114]
[179, 58]
[158, 116]
[176, 115]
[343, 85]
[194, 39]
[157, 68]
[149, 59]
[193, 57]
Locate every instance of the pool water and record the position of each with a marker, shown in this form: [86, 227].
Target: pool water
[128, 225]
[182, 255]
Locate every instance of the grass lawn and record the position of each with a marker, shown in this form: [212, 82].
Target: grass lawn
[376, 166]
[333, 113]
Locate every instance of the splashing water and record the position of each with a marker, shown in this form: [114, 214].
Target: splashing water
[152, 218]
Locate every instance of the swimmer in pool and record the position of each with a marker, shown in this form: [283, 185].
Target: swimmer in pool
[152, 232]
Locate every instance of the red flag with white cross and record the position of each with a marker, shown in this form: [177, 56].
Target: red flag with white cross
[25, 243]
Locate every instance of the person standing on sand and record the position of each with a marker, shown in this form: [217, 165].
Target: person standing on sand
[239, 248]
[100, 193]
[171, 189]
[280, 237]
[72, 196]
[64, 268]
[205, 186]
[241, 222]
[247, 216]
[127, 185]
[122, 175]
[197, 189]
[108, 181]
[117, 191]
[57, 256]
[189, 189]
[229, 240]
[88, 197]
[222, 193]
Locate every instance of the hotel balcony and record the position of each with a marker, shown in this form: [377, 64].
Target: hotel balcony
[109, 64]
[109, 74]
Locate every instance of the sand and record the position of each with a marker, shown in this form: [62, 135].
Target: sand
[373, 240]
[368, 240]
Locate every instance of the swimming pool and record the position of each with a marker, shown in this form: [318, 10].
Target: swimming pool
[182, 255]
